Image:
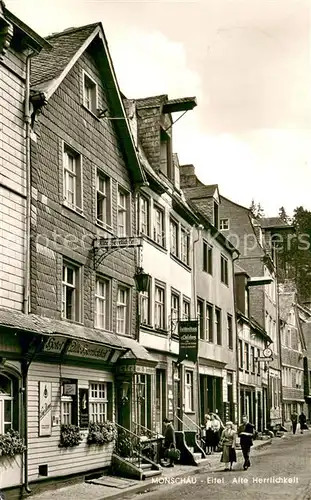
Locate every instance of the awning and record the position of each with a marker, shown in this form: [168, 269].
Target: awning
[135, 351]
[48, 327]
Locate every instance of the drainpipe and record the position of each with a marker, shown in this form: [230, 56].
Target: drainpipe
[236, 340]
[27, 118]
[194, 289]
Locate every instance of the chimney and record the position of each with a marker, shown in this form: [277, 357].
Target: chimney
[187, 176]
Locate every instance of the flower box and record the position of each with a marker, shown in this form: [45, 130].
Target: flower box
[11, 471]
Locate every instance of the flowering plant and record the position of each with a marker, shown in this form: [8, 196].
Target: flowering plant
[101, 433]
[11, 444]
[69, 436]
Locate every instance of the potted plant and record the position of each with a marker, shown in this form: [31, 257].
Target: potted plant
[102, 433]
[69, 436]
[11, 451]
[11, 444]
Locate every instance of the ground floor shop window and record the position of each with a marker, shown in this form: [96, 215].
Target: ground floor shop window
[6, 404]
[9, 402]
[188, 391]
[98, 401]
[143, 401]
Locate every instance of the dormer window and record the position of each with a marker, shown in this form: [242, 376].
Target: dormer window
[166, 159]
[89, 93]
[224, 224]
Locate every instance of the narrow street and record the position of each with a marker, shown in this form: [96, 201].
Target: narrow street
[281, 470]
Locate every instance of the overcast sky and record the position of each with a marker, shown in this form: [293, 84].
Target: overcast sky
[248, 63]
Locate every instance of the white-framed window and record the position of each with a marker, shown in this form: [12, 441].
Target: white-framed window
[158, 228]
[72, 178]
[102, 303]
[145, 307]
[175, 306]
[209, 327]
[184, 246]
[89, 93]
[230, 331]
[186, 309]
[218, 326]
[6, 404]
[200, 318]
[71, 292]
[123, 213]
[159, 307]
[98, 402]
[246, 356]
[224, 224]
[207, 258]
[144, 216]
[224, 270]
[66, 410]
[103, 199]
[122, 309]
[252, 359]
[174, 238]
[188, 390]
[241, 358]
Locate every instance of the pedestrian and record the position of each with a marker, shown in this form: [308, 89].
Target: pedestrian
[302, 422]
[246, 433]
[208, 434]
[169, 440]
[228, 441]
[294, 419]
[215, 434]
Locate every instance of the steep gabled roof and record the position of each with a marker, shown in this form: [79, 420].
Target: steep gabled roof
[273, 222]
[51, 67]
[48, 66]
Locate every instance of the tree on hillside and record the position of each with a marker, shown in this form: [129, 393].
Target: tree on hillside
[256, 210]
[283, 215]
[299, 252]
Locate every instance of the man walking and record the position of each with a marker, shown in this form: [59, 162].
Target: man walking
[294, 419]
[302, 422]
[246, 433]
[169, 439]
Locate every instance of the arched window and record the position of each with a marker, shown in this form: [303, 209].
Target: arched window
[6, 403]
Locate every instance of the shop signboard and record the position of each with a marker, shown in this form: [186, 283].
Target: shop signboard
[188, 340]
[45, 408]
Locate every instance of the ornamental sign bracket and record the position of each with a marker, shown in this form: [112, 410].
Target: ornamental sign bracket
[102, 247]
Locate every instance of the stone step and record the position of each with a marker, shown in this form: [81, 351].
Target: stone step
[146, 466]
[191, 449]
[151, 473]
[197, 456]
[203, 461]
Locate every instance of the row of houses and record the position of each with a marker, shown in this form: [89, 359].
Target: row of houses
[109, 247]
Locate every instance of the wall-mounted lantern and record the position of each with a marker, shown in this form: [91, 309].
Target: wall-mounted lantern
[140, 392]
[142, 280]
[124, 391]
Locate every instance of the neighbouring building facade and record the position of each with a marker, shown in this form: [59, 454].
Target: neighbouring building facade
[253, 381]
[293, 352]
[165, 222]
[214, 292]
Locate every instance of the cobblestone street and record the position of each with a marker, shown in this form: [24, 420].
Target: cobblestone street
[278, 471]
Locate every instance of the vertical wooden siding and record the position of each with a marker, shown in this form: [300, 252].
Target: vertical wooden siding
[12, 179]
[45, 450]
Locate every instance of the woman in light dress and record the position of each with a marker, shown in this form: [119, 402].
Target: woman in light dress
[228, 441]
[208, 434]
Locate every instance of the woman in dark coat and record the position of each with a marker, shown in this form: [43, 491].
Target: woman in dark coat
[302, 421]
[228, 441]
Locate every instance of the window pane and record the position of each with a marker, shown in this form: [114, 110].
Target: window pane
[5, 385]
[7, 411]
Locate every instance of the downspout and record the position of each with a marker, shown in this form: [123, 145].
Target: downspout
[236, 340]
[194, 309]
[278, 322]
[27, 118]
